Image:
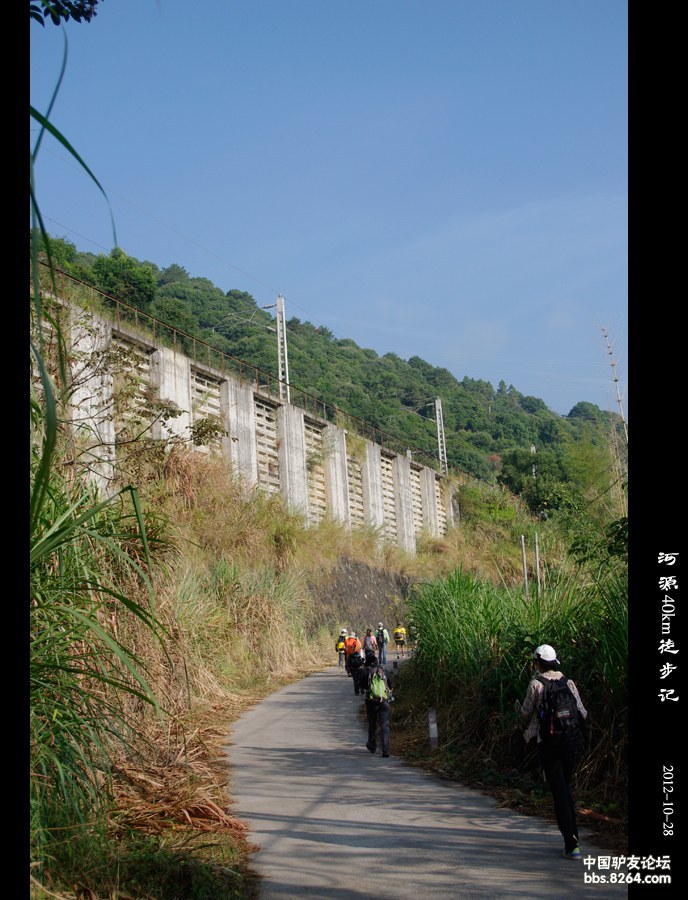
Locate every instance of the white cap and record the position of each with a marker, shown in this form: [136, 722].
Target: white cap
[546, 654]
[380, 625]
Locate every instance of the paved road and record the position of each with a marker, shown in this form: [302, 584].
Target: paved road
[333, 821]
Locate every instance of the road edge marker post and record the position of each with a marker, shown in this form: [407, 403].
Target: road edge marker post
[432, 728]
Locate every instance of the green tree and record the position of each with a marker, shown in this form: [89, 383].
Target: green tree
[172, 274]
[123, 278]
[58, 11]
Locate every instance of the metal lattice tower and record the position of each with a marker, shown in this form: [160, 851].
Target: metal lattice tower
[444, 468]
[282, 358]
[616, 384]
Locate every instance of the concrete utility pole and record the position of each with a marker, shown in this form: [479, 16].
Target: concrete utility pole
[282, 358]
[440, 437]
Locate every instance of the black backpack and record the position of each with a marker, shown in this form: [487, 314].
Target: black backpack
[355, 660]
[559, 715]
[380, 637]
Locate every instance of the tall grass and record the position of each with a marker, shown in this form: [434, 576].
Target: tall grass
[475, 657]
[99, 659]
[79, 667]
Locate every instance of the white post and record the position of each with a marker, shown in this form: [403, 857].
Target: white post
[432, 728]
[537, 563]
[525, 570]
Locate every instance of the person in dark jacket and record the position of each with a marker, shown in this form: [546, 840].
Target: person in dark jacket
[356, 664]
[377, 711]
[558, 759]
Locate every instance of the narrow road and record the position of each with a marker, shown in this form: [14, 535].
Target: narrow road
[333, 821]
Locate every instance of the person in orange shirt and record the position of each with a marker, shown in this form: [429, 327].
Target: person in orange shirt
[351, 645]
[354, 659]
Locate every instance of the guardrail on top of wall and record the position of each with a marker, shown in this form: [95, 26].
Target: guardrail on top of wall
[204, 354]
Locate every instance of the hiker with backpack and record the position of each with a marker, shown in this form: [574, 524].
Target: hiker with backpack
[556, 713]
[369, 642]
[382, 641]
[400, 638]
[356, 667]
[353, 662]
[340, 647]
[375, 684]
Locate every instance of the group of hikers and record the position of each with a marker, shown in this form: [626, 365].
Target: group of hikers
[552, 713]
[364, 661]
[348, 644]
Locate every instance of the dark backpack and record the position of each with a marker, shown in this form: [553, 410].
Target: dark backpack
[559, 715]
[355, 660]
[380, 637]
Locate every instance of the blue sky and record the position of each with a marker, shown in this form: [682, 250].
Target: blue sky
[440, 178]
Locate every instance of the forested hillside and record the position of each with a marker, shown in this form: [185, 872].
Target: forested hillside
[149, 607]
[494, 434]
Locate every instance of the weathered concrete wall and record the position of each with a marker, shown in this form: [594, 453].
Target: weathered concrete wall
[292, 458]
[336, 477]
[171, 376]
[371, 472]
[240, 420]
[92, 401]
[267, 442]
[406, 536]
[429, 499]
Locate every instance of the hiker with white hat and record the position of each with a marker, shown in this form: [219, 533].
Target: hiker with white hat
[555, 714]
[340, 647]
[382, 641]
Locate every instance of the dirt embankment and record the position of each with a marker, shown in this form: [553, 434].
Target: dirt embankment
[358, 595]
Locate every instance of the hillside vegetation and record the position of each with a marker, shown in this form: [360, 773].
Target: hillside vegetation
[495, 434]
[151, 608]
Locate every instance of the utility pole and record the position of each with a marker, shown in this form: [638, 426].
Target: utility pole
[617, 467]
[616, 382]
[444, 468]
[282, 359]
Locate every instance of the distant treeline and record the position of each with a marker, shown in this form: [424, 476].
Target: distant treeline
[497, 435]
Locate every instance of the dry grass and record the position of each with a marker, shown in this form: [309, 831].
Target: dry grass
[234, 585]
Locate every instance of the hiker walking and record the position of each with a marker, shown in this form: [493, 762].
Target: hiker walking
[382, 641]
[369, 642]
[400, 639]
[555, 712]
[374, 682]
[340, 647]
[356, 665]
[351, 645]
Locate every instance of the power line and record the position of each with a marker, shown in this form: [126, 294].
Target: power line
[174, 230]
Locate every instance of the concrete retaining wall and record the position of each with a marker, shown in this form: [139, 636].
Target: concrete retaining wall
[270, 445]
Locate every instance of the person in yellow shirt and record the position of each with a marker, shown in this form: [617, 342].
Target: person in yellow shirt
[400, 639]
[340, 647]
